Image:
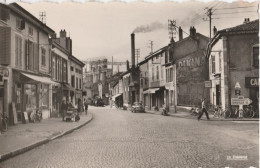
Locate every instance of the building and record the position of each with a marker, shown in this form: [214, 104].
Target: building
[59, 73]
[191, 69]
[67, 70]
[233, 55]
[25, 82]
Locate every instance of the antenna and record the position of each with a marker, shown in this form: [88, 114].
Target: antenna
[172, 28]
[42, 16]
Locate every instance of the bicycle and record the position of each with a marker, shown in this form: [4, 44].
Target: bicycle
[218, 112]
[4, 119]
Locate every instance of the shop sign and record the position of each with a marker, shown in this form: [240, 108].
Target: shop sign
[207, 84]
[252, 81]
[237, 86]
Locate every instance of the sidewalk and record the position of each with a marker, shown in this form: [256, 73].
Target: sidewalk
[23, 137]
[189, 116]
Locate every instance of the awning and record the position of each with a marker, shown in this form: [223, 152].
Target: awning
[153, 90]
[115, 96]
[39, 79]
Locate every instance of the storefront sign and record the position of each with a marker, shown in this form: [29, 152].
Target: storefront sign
[237, 86]
[237, 92]
[207, 84]
[252, 81]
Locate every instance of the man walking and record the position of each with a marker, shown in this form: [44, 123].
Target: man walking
[203, 109]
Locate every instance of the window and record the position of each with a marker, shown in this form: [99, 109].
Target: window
[213, 63]
[157, 72]
[256, 56]
[53, 66]
[73, 81]
[18, 51]
[79, 83]
[152, 73]
[72, 68]
[30, 31]
[43, 51]
[20, 24]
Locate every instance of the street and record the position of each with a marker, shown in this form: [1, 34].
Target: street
[119, 138]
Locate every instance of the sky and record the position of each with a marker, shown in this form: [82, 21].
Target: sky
[102, 30]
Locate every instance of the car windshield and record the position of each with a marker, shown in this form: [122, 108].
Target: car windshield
[136, 103]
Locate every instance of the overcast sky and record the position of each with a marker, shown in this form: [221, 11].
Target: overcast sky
[103, 29]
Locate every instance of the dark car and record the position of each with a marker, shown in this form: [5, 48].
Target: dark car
[137, 107]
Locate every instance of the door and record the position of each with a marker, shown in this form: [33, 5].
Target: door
[218, 95]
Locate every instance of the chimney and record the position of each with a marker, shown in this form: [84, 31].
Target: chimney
[133, 49]
[215, 30]
[180, 34]
[247, 20]
[194, 31]
[63, 33]
[191, 31]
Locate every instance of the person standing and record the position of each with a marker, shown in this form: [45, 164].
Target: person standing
[86, 106]
[64, 108]
[203, 110]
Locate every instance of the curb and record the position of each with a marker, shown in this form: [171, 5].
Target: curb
[211, 119]
[41, 142]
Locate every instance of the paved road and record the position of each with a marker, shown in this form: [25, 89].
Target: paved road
[117, 138]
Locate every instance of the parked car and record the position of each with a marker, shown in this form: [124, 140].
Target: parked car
[137, 107]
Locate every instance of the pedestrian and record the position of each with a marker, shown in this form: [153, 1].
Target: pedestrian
[86, 106]
[203, 109]
[64, 109]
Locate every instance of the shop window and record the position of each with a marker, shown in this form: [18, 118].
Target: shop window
[256, 56]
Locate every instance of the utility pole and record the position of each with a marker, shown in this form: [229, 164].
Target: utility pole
[137, 55]
[209, 14]
[112, 65]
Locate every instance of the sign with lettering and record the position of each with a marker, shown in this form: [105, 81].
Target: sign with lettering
[238, 101]
[252, 81]
[237, 86]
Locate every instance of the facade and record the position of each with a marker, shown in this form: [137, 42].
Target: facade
[156, 78]
[59, 72]
[67, 70]
[191, 69]
[76, 81]
[233, 55]
[25, 82]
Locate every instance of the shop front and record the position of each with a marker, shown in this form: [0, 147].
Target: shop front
[31, 92]
[252, 83]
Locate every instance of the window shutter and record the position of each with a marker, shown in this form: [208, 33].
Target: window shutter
[26, 55]
[5, 45]
[36, 57]
[4, 13]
